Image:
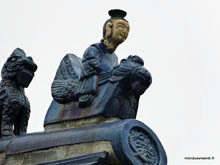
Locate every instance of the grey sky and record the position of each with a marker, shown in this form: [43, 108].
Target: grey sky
[178, 40]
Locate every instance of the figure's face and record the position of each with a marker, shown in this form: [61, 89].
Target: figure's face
[120, 30]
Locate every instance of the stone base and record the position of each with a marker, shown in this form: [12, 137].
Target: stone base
[91, 121]
[62, 153]
[100, 158]
[128, 142]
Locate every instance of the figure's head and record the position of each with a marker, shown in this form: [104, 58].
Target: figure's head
[19, 68]
[116, 28]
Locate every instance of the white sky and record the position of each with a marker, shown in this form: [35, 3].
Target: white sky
[178, 40]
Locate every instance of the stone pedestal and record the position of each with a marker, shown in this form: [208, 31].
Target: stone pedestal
[124, 142]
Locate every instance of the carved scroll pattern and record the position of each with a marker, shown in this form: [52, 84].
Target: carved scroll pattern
[143, 147]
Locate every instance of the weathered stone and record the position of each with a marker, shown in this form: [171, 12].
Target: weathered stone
[121, 137]
[61, 152]
[92, 121]
[91, 118]
[101, 158]
[2, 157]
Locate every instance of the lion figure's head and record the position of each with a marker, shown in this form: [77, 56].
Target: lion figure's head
[19, 68]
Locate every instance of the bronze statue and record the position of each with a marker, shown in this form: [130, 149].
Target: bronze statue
[17, 73]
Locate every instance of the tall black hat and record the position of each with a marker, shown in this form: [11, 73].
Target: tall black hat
[114, 13]
[117, 13]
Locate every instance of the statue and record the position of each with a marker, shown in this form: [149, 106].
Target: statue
[100, 58]
[17, 73]
[91, 119]
[97, 84]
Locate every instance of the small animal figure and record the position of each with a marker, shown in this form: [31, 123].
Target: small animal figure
[17, 73]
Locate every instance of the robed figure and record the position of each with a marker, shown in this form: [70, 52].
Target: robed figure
[96, 84]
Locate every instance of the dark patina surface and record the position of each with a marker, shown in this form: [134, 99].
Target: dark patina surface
[17, 73]
[91, 119]
[118, 90]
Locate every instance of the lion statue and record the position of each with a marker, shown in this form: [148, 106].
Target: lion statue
[17, 73]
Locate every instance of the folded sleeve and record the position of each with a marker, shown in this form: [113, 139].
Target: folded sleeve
[91, 61]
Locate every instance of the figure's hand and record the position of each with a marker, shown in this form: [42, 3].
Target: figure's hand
[92, 66]
[94, 63]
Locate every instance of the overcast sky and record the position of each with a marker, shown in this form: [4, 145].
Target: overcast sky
[178, 40]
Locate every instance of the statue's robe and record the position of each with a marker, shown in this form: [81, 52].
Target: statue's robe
[74, 77]
[117, 87]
